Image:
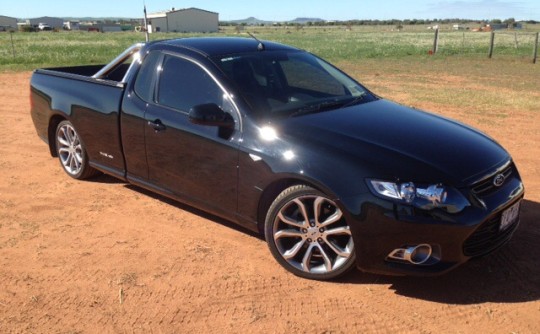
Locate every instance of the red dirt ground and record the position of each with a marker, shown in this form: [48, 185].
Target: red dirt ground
[103, 256]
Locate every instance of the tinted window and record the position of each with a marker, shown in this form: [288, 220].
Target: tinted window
[281, 83]
[183, 84]
[310, 76]
[145, 77]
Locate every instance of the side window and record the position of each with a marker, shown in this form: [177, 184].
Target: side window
[308, 76]
[183, 84]
[146, 76]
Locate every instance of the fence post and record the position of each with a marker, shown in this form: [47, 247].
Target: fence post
[535, 52]
[12, 45]
[491, 42]
[516, 40]
[436, 41]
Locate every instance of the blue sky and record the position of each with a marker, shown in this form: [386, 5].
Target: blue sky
[282, 10]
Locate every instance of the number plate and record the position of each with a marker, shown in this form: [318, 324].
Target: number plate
[509, 216]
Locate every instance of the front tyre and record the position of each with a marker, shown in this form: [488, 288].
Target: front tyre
[72, 153]
[308, 235]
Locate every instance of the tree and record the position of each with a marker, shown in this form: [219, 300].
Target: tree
[510, 21]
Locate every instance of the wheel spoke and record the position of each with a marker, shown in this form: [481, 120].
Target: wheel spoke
[77, 161]
[62, 150]
[336, 216]
[289, 233]
[326, 258]
[74, 137]
[72, 162]
[291, 253]
[288, 220]
[317, 209]
[307, 257]
[65, 159]
[70, 136]
[338, 250]
[342, 230]
[78, 157]
[62, 140]
[303, 210]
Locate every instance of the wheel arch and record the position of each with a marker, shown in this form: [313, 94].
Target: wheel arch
[275, 188]
[51, 132]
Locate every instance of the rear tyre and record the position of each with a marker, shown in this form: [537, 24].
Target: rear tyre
[72, 153]
[308, 235]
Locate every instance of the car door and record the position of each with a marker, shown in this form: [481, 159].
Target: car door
[195, 162]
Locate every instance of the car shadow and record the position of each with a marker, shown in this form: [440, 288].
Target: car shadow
[105, 179]
[195, 211]
[509, 275]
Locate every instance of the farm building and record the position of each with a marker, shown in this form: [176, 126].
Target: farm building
[7, 23]
[183, 20]
[72, 25]
[53, 22]
[103, 27]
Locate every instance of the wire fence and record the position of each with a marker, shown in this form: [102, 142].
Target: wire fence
[523, 44]
[21, 50]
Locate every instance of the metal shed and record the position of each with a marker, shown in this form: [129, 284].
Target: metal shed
[7, 23]
[184, 20]
[53, 22]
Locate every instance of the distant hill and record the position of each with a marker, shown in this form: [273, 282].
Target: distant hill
[255, 21]
[304, 20]
[250, 21]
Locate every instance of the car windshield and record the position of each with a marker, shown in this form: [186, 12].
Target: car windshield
[290, 83]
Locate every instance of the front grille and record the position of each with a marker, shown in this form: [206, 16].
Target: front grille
[487, 237]
[486, 186]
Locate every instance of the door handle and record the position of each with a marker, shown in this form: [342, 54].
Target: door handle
[157, 125]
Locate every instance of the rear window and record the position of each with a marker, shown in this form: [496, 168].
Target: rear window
[145, 79]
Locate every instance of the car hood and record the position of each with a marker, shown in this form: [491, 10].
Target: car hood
[391, 140]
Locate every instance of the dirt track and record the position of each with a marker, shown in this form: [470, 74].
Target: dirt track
[103, 256]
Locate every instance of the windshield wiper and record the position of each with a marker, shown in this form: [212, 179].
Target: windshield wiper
[355, 101]
[318, 107]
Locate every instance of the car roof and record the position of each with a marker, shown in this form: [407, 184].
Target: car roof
[215, 46]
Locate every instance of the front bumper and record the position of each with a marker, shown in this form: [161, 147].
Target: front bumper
[379, 227]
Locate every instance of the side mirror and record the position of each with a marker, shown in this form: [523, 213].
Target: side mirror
[210, 114]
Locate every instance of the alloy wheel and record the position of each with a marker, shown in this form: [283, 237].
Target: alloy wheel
[69, 149]
[311, 234]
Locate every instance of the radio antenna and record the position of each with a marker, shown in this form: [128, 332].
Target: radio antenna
[261, 46]
[145, 23]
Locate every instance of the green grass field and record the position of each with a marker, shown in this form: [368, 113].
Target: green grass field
[27, 51]
[393, 64]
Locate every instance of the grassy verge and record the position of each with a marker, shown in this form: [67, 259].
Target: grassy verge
[27, 51]
[482, 90]
[393, 64]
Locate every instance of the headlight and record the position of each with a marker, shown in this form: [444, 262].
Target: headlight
[424, 197]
